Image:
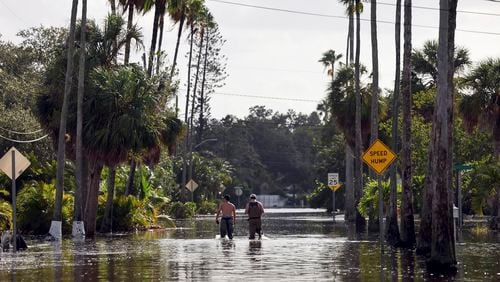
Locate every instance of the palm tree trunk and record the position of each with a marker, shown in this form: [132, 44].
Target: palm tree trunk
[106, 225]
[55, 227]
[174, 63]
[407, 220]
[160, 41]
[78, 229]
[154, 38]
[350, 208]
[392, 229]
[92, 198]
[374, 219]
[351, 34]
[113, 6]
[443, 247]
[202, 92]
[129, 188]
[358, 165]
[128, 42]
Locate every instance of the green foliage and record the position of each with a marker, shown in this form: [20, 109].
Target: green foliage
[180, 210]
[5, 215]
[369, 201]
[485, 185]
[129, 213]
[206, 207]
[35, 206]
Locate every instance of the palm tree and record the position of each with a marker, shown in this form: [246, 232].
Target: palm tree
[130, 6]
[328, 60]
[407, 220]
[160, 7]
[443, 245]
[113, 6]
[424, 62]
[374, 102]
[358, 165]
[392, 229]
[481, 107]
[55, 226]
[78, 228]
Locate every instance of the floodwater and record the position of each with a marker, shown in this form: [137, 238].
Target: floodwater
[296, 247]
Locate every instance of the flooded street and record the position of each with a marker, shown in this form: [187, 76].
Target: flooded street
[297, 247]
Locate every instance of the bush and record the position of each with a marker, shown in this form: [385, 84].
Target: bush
[207, 207]
[129, 213]
[35, 208]
[180, 210]
[5, 215]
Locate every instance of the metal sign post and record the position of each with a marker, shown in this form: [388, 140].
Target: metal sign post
[14, 214]
[379, 157]
[13, 163]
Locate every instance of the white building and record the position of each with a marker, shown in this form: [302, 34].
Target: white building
[272, 201]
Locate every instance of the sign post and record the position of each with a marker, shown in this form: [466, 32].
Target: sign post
[13, 163]
[379, 157]
[334, 185]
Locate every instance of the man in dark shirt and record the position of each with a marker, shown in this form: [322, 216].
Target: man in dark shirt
[254, 210]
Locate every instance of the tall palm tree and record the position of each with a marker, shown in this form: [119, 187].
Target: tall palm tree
[392, 229]
[78, 228]
[407, 220]
[159, 10]
[358, 165]
[374, 103]
[443, 245]
[130, 6]
[329, 59]
[55, 226]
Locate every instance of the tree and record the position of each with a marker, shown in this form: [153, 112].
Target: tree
[480, 108]
[159, 10]
[407, 221]
[392, 229]
[130, 6]
[358, 165]
[443, 244]
[55, 226]
[78, 228]
[329, 59]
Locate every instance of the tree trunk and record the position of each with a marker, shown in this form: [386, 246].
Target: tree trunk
[350, 208]
[107, 221]
[113, 7]
[202, 92]
[160, 41]
[129, 189]
[425, 232]
[407, 220]
[55, 229]
[130, 22]
[92, 198]
[179, 33]
[351, 34]
[443, 247]
[373, 224]
[78, 207]
[392, 229]
[358, 165]
[154, 38]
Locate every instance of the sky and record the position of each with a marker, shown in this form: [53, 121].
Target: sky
[275, 54]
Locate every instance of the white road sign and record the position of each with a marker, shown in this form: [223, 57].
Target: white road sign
[22, 163]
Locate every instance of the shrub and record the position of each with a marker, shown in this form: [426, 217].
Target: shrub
[5, 215]
[207, 207]
[180, 210]
[129, 213]
[35, 206]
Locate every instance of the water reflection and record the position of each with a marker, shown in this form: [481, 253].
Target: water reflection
[300, 247]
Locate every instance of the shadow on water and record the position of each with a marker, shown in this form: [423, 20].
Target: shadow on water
[297, 247]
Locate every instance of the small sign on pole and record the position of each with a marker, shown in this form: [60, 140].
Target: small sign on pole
[13, 163]
[333, 181]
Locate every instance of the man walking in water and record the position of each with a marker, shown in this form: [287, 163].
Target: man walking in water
[228, 211]
[254, 210]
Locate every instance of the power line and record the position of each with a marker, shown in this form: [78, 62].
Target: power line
[21, 133]
[439, 9]
[343, 17]
[24, 141]
[263, 97]
[12, 12]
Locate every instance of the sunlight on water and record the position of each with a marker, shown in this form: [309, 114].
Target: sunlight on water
[296, 247]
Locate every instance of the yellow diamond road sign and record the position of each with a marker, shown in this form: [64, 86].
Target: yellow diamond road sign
[379, 157]
[191, 185]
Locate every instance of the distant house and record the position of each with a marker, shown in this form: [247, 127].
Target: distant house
[272, 201]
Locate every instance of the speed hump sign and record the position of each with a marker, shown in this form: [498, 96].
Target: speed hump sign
[333, 181]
